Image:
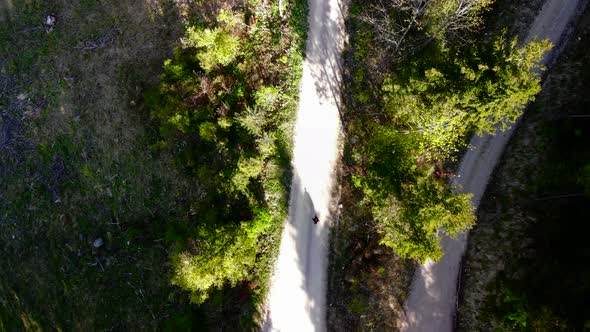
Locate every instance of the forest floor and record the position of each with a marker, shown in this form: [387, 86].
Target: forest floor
[524, 266]
[75, 168]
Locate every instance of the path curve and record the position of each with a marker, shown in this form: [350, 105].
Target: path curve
[297, 297]
[432, 302]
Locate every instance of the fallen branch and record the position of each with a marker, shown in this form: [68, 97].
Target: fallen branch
[100, 42]
[558, 196]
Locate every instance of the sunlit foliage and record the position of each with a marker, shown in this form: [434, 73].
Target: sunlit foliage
[436, 84]
[479, 88]
[223, 108]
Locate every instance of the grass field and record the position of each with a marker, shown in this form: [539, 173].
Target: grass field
[76, 167]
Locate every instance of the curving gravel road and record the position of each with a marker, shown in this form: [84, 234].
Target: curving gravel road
[297, 296]
[432, 302]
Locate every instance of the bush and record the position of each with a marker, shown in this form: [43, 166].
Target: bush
[219, 255]
[222, 106]
[215, 47]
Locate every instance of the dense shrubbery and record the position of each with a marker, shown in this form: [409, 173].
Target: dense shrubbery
[410, 204]
[457, 91]
[224, 106]
[449, 87]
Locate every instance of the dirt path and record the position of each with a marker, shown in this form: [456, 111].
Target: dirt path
[431, 305]
[297, 296]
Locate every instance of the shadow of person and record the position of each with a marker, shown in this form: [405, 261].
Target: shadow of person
[310, 207]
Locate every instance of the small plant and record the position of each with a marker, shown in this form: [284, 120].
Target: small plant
[515, 309]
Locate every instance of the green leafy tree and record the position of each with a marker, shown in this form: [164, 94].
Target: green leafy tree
[217, 47]
[427, 210]
[412, 208]
[253, 119]
[444, 97]
[219, 256]
[266, 112]
[248, 169]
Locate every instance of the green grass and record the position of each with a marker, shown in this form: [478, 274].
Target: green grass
[80, 170]
[83, 163]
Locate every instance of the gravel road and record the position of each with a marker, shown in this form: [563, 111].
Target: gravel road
[297, 298]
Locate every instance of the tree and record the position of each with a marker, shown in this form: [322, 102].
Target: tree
[470, 89]
[404, 27]
[412, 208]
[217, 47]
[269, 101]
[220, 255]
[426, 210]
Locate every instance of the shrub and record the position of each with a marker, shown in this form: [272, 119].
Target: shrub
[222, 110]
[215, 47]
[220, 255]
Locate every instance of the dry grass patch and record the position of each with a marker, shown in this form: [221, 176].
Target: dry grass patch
[78, 167]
